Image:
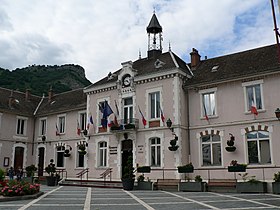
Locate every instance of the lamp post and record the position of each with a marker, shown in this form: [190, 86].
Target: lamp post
[277, 113]
[173, 142]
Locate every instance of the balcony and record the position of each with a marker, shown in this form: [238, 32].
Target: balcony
[123, 125]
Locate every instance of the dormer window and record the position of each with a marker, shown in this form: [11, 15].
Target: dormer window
[158, 63]
[215, 68]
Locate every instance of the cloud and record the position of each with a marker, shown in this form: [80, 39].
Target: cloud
[100, 35]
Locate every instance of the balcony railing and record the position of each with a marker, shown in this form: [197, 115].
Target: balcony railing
[124, 125]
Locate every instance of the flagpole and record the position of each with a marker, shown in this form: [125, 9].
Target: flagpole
[275, 29]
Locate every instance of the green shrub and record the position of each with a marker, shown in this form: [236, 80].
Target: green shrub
[2, 174]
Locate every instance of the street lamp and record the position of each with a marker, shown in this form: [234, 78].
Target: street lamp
[173, 142]
[277, 113]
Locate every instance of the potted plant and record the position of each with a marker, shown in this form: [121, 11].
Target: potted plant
[128, 175]
[144, 169]
[236, 167]
[276, 183]
[82, 149]
[230, 144]
[30, 171]
[188, 168]
[142, 184]
[250, 185]
[51, 170]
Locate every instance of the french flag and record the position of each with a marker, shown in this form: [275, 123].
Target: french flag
[254, 108]
[144, 121]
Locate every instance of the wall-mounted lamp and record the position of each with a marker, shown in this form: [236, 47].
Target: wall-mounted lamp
[277, 113]
[173, 142]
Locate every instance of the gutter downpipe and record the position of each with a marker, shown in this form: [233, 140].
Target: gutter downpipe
[34, 121]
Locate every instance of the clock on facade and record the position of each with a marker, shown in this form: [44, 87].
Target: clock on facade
[126, 80]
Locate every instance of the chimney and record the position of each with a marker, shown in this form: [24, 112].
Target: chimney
[195, 58]
[27, 94]
[50, 95]
[11, 99]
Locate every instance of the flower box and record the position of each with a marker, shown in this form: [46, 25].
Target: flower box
[185, 169]
[192, 186]
[144, 185]
[237, 168]
[276, 187]
[249, 187]
[144, 169]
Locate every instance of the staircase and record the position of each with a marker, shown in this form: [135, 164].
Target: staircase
[91, 183]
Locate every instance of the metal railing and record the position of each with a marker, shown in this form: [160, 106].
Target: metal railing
[262, 173]
[81, 173]
[124, 124]
[107, 173]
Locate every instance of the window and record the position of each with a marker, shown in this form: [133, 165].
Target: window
[128, 110]
[208, 103]
[211, 150]
[102, 146]
[83, 121]
[80, 159]
[258, 147]
[43, 127]
[155, 152]
[61, 124]
[155, 105]
[253, 95]
[60, 156]
[21, 124]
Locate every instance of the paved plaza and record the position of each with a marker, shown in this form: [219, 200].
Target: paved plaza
[85, 198]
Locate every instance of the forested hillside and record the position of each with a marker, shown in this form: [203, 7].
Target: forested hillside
[39, 78]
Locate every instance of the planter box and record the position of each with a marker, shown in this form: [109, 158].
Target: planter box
[276, 187]
[238, 168]
[145, 186]
[182, 169]
[128, 184]
[144, 169]
[51, 180]
[247, 187]
[192, 186]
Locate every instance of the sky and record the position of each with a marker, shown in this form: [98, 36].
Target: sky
[99, 35]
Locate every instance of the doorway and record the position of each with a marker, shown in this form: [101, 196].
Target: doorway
[126, 152]
[41, 160]
[18, 161]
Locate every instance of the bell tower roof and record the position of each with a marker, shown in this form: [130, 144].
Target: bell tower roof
[154, 27]
[154, 31]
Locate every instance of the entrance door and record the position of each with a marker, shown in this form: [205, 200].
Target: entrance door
[41, 161]
[126, 152]
[18, 161]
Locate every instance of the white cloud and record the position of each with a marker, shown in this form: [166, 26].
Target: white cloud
[99, 35]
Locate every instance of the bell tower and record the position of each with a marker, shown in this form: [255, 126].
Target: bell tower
[154, 31]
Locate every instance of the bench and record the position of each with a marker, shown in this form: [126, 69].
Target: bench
[221, 185]
[167, 184]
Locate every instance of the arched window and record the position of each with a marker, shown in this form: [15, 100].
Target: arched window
[155, 152]
[211, 150]
[258, 144]
[102, 151]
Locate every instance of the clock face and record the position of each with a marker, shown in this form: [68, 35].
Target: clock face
[126, 80]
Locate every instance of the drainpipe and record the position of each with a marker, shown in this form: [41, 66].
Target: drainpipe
[34, 123]
[188, 127]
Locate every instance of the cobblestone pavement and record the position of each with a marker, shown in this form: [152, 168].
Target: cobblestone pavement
[77, 198]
